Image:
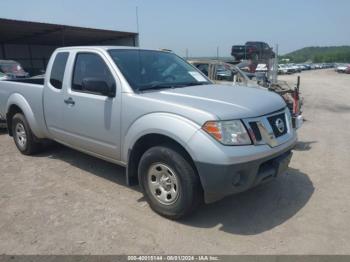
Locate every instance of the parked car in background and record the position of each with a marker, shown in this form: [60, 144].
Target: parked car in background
[12, 69]
[3, 76]
[347, 70]
[302, 67]
[307, 66]
[2, 118]
[181, 137]
[296, 68]
[290, 68]
[318, 66]
[222, 73]
[252, 50]
[282, 70]
[341, 68]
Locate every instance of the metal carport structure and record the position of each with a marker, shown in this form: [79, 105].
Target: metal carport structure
[31, 43]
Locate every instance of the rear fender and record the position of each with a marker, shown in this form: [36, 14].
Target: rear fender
[19, 101]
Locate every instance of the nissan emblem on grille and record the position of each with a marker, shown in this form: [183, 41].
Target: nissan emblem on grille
[280, 125]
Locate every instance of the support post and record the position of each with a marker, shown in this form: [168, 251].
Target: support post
[275, 66]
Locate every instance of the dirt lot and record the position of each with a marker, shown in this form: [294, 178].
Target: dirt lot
[65, 202]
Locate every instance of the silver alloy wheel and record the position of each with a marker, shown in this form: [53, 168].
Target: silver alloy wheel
[163, 183]
[21, 135]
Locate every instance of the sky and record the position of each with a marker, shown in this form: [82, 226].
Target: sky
[201, 26]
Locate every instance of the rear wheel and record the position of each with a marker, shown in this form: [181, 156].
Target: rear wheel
[23, 136]
[169, 181]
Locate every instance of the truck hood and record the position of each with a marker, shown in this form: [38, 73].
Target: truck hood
[224, 101]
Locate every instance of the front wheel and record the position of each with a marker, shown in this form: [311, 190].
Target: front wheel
[23, 136]
[170, 183]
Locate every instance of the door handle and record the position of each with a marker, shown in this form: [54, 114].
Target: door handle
[69, 101]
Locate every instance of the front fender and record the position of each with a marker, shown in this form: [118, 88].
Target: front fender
[19, 101]
[173, 126]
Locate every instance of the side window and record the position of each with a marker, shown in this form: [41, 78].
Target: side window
[57, 71]
[87, 66]
[223, 73]
[204, 68]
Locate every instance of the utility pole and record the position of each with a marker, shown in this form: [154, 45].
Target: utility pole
[217, 53]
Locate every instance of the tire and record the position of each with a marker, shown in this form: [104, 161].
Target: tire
[23, 135]
[164, 172]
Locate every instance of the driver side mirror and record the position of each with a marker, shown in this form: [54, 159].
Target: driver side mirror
[98, 86]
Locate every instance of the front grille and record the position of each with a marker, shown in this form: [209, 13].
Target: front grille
[256, 131]
[278, 124]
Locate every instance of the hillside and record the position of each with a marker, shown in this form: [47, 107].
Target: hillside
[320, 54]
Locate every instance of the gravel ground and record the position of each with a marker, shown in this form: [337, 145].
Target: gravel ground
[65, 202]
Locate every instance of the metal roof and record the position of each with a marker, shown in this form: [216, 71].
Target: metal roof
[24, 32]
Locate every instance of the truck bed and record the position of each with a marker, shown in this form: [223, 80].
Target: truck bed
[36, 81]
[30, 92]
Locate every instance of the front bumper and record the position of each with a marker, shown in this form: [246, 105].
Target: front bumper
[219, 181]
[225, 170]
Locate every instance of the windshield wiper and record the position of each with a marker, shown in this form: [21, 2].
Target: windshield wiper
[196, 83]
[161, 85]
[155, 86]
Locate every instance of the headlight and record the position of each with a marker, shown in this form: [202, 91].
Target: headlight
[229, 133]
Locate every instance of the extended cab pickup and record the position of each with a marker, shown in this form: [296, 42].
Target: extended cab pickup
[180, 137]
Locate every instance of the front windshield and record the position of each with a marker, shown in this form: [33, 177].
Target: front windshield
[145, 69]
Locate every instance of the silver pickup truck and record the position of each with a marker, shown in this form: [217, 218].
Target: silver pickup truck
[180, 137]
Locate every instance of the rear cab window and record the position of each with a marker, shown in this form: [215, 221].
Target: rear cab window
[58, 68]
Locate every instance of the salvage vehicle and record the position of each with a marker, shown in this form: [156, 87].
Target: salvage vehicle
[347, 70]
[287, 69]
[252, 50]
[341, 68]
[182, 138]
[12, 69]
[224, 73]
[221, 72]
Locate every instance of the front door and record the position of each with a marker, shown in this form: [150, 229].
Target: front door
[92, 119]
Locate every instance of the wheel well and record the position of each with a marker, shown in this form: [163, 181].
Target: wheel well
[14, 109]
[142, 145]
